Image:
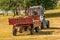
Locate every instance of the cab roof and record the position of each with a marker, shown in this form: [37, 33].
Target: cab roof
[35, 7]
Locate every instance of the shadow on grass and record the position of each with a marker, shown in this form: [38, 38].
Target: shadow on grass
[54, 28]
[40, 33]
[45, 32]
[52, 15]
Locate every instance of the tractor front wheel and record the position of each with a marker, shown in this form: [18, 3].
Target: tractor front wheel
[47, 24]
[42, 27]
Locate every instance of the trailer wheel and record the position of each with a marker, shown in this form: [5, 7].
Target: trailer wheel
[14, 32]
[21, 30]
[31, 29]
[37, 29]
[25, 29]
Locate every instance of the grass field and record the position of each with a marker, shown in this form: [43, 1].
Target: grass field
[47, 34]
[54, 17]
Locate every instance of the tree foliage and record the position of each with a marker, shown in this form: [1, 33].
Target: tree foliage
[14, 4]
[47, 4]
[10, 5]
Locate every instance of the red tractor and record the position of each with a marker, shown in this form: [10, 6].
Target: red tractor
[31, 21]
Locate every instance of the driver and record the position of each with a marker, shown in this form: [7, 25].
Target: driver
[35, 13]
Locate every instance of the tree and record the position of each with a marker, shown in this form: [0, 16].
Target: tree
[11, 5]
[47, 4]
[14, 4]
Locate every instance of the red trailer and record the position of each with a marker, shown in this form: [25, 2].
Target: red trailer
[24, 23]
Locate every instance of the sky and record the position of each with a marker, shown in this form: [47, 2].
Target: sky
[2, 11]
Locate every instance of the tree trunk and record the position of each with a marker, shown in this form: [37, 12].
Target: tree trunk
[16, 12]
[3, 14]
[7, 14]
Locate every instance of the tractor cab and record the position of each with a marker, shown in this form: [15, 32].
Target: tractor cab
[35, 10]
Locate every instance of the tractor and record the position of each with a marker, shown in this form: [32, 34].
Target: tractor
[31, 21]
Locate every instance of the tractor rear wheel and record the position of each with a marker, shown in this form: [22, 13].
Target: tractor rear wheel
[31, 29]
[37, 29]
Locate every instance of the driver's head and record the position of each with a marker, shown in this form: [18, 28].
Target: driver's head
[35, 13]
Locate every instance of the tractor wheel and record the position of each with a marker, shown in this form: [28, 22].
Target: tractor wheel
[42, 26]
[47, 24]
[14, 32]
[31, 29]
[37, 29]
